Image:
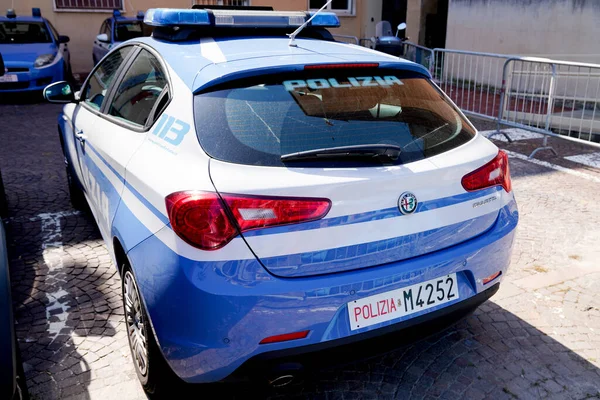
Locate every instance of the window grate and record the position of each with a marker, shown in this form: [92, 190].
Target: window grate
[231, 3]
[88, 4]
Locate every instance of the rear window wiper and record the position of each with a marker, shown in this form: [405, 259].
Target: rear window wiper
[376, 152]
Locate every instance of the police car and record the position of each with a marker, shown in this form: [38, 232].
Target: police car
[35, 55]
[116, 30]
[267, 196]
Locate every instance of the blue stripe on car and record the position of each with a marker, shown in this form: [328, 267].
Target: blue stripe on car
[133, 190]
[373, 215]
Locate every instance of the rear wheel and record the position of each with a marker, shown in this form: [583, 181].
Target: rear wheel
[75, 193]
[151, 368]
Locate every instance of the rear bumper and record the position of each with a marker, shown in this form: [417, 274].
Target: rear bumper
[365, 345]
[209, 317]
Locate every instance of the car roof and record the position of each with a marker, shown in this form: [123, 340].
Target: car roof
[210, 61]
[22, 18]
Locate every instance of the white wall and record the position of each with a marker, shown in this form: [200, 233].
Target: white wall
[560, 29]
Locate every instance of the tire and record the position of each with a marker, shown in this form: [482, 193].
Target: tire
[76, 195]
[156, 377]
[3, 201]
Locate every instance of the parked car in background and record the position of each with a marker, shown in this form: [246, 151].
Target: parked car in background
[116, 30]
[35, 55]
[280, 194]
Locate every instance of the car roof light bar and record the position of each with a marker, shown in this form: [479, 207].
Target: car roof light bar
[171, 17]
[36, 12]
[10, 13]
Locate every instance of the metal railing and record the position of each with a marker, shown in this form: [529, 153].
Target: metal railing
[551, 97]
[554, 98]
[419, 54]
[473, 80]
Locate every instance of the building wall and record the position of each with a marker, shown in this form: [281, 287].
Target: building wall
[82, 27]
[559, 29]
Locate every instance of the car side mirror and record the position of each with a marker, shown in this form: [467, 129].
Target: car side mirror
[1, 65]
[59, 92]
[103, 37]
[64, 39]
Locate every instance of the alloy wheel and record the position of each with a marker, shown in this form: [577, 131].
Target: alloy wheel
[136, 328]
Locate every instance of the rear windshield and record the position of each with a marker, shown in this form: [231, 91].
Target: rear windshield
[24, 32]
[130, 30]
[258, 121]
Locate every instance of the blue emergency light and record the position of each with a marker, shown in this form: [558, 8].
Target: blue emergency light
[237, 18]
[36, 12]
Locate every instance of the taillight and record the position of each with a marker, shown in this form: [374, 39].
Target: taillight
[494, 173]
[200, 219]
[203, 220]
[260, 212]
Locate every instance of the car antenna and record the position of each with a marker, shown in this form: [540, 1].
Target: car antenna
[304, 25]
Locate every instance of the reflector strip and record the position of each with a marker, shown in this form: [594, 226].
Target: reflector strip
[285, 337]
[491, 277]
[252, 214]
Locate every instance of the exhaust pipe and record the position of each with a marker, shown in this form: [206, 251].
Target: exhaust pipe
[282, 381]
[286, 374]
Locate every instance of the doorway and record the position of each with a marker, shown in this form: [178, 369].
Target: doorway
[434, 22]
[394, 11]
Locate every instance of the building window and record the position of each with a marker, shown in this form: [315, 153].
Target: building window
[235, 3]
[341, 7]
[88, 5]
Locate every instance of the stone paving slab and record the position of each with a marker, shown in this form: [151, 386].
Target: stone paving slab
[539, 337]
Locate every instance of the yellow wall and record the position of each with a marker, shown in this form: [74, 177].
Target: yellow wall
[82, 27]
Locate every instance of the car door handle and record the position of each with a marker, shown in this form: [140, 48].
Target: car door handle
[80, 136]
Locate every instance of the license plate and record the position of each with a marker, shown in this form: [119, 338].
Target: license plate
[9, 78]
[402, 302]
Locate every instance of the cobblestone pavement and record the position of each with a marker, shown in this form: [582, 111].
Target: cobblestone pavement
[539, 337]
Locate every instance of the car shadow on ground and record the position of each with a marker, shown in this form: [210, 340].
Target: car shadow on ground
[491, 354]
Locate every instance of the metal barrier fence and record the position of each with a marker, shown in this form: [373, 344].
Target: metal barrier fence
[419, 54]
[472, 80]
[554, 98]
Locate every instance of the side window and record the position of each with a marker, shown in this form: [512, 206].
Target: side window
[100, 80]
[140, 90]
[53, 30]
[105, 28]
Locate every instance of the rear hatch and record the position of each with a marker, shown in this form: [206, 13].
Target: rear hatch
[386, 148]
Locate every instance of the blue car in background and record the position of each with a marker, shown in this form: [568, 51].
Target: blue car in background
[116, 30]
[35, 55]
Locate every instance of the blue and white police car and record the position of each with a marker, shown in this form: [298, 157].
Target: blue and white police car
[266, 197]
[35, 55]
[116, 30]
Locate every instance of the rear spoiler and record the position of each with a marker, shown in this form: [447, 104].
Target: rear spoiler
[219, 79]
